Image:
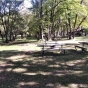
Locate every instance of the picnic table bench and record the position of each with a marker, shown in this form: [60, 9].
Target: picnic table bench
[84, 43]
[63, 46]
[55, 46]
[82, 47]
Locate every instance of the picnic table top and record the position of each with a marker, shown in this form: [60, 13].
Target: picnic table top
[84, 42]
[58, 43]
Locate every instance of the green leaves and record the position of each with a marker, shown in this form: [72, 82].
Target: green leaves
[58, 12]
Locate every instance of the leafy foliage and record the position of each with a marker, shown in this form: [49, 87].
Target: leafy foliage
[61, 13]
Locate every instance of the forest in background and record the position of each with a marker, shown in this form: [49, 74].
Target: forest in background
[47, 20]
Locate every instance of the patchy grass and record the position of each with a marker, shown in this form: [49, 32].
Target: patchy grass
[20, 41]
[83, 38]
[20, 47]
[23, 66]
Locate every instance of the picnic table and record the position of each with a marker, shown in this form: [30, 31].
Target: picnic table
[84, 43]
[51, 47]
[56, 45]
[82, 46]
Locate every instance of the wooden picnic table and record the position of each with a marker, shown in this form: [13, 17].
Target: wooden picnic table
[82, 45]
[56, 45]
[51, 47]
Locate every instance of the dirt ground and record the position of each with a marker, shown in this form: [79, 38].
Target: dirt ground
[25, 67]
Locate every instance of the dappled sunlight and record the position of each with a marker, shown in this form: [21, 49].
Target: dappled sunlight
[72, 63]
[39, 61]
[78, 86]
[1, 70]
[39, 72]
[25, 65]
[8, 69]
[58, 85]
[16, 57]
[27, 70]
[28, 73]
[45, 73]
[19, 70]
[16, 70]
[21, 47]
[55, 65]
[60, 73]
[33, 83]
[2, 63]
[75, 72]
[27, 47]
[10, 64]
[50, 85]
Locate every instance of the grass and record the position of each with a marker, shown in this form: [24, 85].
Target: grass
[83, 38]
[22, 66]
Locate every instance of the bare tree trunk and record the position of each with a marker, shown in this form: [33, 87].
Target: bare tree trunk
[74, 25]
[69, 21]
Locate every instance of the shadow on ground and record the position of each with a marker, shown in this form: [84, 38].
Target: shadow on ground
[17, 43]
[52, 70]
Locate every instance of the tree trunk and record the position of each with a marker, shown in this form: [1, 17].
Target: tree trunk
[74, 25]
[69, 21]
[41, 37]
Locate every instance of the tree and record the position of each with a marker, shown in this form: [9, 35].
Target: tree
[64, 16]
[9, 15]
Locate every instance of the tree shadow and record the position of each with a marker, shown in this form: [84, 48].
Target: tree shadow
[18, 42]
[31, 70]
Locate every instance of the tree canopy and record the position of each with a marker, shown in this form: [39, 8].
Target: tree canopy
[61, 16]
[47, 18]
